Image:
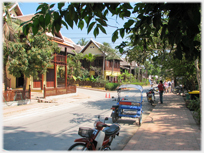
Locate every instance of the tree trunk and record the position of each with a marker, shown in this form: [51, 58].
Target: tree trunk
[103, 65]
[112, 70]
[142, 74]
[198, 75]
[5, 78]
[139, 75]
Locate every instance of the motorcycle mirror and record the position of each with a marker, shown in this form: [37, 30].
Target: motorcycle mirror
[105, 119]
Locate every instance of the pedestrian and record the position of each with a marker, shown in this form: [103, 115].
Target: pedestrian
[161, 90]
[165, 86]
[169, 86]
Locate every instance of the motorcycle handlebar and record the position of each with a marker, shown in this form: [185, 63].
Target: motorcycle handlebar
[105, 125]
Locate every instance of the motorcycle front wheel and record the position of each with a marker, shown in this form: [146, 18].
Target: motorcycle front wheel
[147, 99]
[114, 118]
[77, 147]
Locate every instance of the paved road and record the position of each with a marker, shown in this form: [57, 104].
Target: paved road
[56, 127]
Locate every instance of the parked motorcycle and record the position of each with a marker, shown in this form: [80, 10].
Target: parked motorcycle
[99, 138]
[150, 96]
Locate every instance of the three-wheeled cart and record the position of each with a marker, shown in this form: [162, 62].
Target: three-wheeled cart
[129, 103]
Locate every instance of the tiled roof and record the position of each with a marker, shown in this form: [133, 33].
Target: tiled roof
[126, 63]
[17, 10]
[25, 17]
[68, 40]
[92, 41]
[78, 48]
[62, 43]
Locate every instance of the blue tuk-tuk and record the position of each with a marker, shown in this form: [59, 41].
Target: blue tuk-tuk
[129, 103]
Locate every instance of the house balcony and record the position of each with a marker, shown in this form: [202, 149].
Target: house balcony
[60, 59]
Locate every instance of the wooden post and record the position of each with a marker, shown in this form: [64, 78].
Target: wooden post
[29, 93]
[42, 81]
[44, 91]
[65, 67]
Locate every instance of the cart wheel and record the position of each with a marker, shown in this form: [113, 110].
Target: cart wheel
[114, 119]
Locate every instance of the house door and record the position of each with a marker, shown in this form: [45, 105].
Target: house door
[37, 82]
[20, 81]
[50, 77]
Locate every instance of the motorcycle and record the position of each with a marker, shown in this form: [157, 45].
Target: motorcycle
[99, 138]
[151, 96]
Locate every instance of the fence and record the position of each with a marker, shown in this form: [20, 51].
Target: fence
[15, 95]
[59, 91]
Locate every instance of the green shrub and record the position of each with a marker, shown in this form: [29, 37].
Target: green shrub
[194, 105]
[111, 86]
[87, 79]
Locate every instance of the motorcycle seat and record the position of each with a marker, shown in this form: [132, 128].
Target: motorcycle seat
[113, 129]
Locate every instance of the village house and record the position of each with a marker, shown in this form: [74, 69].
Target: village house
[131, 67]
[93, 47]
[48, 79]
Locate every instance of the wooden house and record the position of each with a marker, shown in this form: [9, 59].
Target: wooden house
[101, 61]
[49, 79]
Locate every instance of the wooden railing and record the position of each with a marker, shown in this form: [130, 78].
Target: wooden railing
[15, 95]
[59, 91]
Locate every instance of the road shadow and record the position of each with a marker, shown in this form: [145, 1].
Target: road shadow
[22, 140]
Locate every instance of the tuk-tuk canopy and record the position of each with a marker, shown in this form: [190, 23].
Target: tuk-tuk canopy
[131, 86]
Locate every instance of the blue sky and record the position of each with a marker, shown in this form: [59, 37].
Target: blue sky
[75, 34]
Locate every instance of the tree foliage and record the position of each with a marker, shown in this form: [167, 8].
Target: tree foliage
[179, 23]
[74, 64]
[31, 56]
[82, 42]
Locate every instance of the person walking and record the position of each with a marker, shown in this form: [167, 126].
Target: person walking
[161, 90]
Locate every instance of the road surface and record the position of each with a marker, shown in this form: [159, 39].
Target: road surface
[55, 128]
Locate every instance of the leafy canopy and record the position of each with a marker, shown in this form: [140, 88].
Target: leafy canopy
[178, 23]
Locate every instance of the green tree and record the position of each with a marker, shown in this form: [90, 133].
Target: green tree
[90, 58]
[112, 54]
[74, 64]
[11, 30]
[163, 16]
[30, 56]
[82, 42]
